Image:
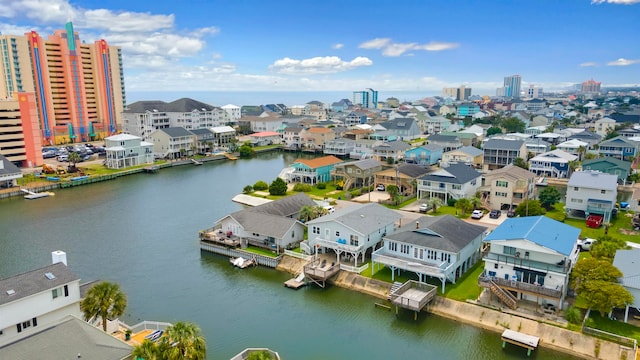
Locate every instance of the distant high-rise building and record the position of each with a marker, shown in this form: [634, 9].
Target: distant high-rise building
[512, 86]
[590, 87]
[79, 87]
[460, 93]
[534, 92]
[366, 99]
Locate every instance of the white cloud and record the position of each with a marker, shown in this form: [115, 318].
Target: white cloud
[623, 62]
[42, 11]
[337, 46]
[588, 64]
[392, 49]
[317, 65]
[119, 22]
[622, 2]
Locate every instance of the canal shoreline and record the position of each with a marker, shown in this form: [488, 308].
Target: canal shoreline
[485, 317]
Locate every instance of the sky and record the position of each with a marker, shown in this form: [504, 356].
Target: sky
[303, 45]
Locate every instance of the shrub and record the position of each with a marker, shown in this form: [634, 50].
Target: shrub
[299, 187]
[356, 193]
[321, 186]
[450, 201]
[260, 185]
[558, 216]
[247, 189]
[573, 315]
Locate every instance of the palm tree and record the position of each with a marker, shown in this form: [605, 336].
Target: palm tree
[104, 300]
[183, 340]
[463, 205]
[581, 151]
[148, 350]
[476, 202]
[435, 203]
[74, 158]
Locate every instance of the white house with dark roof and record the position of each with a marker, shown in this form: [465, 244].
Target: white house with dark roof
[124, 150]
[628, 262]
[9, 173]
[591, 192]
[448, 142]
[554, 163]
[173, 142]
[530, 258]
[442, 247]
[403, 128]
[36, 299]
[572, 146]
[351, 230]
[455, 181]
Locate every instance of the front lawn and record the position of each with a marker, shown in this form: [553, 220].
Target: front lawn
[450, 210]
[261, 251]
[614, 326]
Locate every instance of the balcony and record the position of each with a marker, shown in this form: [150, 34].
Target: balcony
[520, 286]
[562, 267]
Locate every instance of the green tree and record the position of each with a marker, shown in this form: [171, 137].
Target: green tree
[183, 340]
[104, 300]
[529, 208]
[548, 197]
[513, 125]
[591, 269]
[606, 246]
[581, 151]
[521, 163]
[148, 350]
[247, 189]
[74, 158]
[476, 203]
[493, 130]
[278, 187]
[260, 185]
[393, 192]
[464, 205]
[246, 150]
[604, 296]
[261, 355]
[611, 133]
[434, 203]
[589, 156]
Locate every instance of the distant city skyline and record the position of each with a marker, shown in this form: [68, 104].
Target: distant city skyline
[392, 47]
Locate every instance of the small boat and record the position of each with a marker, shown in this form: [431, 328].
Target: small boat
[242, 262]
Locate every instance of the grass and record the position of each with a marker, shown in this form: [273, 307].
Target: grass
[614, 326]
[450, 210]
[260, 251]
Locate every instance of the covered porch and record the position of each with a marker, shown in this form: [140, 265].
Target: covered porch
[442, 270]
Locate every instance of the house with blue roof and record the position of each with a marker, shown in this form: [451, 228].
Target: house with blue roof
[428, 154]
[530, 259]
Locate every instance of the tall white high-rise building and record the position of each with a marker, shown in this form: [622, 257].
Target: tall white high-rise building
[512, 86]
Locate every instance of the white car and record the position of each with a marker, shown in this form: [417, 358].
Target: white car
[380, 187]
[423, 208]
[586, 244]
[477, 214]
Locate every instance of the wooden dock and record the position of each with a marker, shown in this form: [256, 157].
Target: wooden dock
[414, 296]
[319, 272]
[230, 157]
[528, 342]
[296, 282]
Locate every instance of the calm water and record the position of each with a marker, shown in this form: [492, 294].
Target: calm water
[141, 231]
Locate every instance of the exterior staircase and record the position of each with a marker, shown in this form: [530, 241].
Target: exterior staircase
[503, 295]
[347, 183]
[394, 287]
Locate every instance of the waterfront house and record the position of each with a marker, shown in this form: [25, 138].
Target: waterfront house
[204, 140]
[554, 164]
[352, 231]
[9, 173]
[609, 165]
[314, 138]
[530, 258]
[173, 143]
[356, 174]
[442, 247]
[573, 146]
[424, 155]
[363, 148]
[448, 142]
[591, 192]
[455, 181]
[124, 150]
[339, 147]
[291, 137]
[627, 262]
[273, 225]
[404, 176]
[466, 155]
[394, 150]
[507, 187]
[313, 171]
[619, 147]
[265, 138]
[265, 121]
[499, 152]
[223, 136]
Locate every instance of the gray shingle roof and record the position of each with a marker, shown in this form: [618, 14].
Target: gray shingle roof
[413, 170]
[432, 147]
[462, 174]
[442, 138]
[470, 150]
[502, 144]
[362, 218]
[445, 233]
[8, 167]
[393, 145]
[177, 132]
[180, 106]
[398, 123]
[593, 180]
[35, 281]
[364, 164]
[286, 206]
[201, 131]
[263, 223]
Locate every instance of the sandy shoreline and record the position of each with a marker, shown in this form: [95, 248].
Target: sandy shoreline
[551, 336]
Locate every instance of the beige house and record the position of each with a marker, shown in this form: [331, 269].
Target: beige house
[403, 176]
[356, 174]
[603, 126]
[467, 155]
[173, 143]
[315, 137]
[507, 187]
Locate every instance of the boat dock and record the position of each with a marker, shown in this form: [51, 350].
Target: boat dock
[528, 342]
[296, 282]
[243, 263]
[413, 295]
[35, 195]
[320, 271]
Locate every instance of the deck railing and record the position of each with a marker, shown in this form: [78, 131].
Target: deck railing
[354, 269]
[485, 281]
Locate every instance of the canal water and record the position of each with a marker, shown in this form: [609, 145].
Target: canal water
[141, 232]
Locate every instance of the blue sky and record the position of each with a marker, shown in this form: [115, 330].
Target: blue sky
[298, 45]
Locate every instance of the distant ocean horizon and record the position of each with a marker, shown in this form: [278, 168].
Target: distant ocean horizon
[289, 98]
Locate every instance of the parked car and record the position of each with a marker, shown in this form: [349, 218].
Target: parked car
[494, 214]
[48, 154]
[330, 209]
[423, 208]
[511, 213]
[380, 187]
[63, 158]
[477, 214]
[586, 244]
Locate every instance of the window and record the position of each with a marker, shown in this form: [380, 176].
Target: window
[603, 191]
[353, 240]
[509, 250]
[502, 183]
[575, 188]
[578, 201]
[501, 194]
[337, 233]
[404, 248]
[393, 246]
[315, 230]
[54, 293]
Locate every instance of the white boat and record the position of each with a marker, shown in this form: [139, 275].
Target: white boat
[242, 262]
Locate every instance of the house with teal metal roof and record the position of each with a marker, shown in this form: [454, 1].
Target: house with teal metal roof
[609, 165]
[530, 259]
